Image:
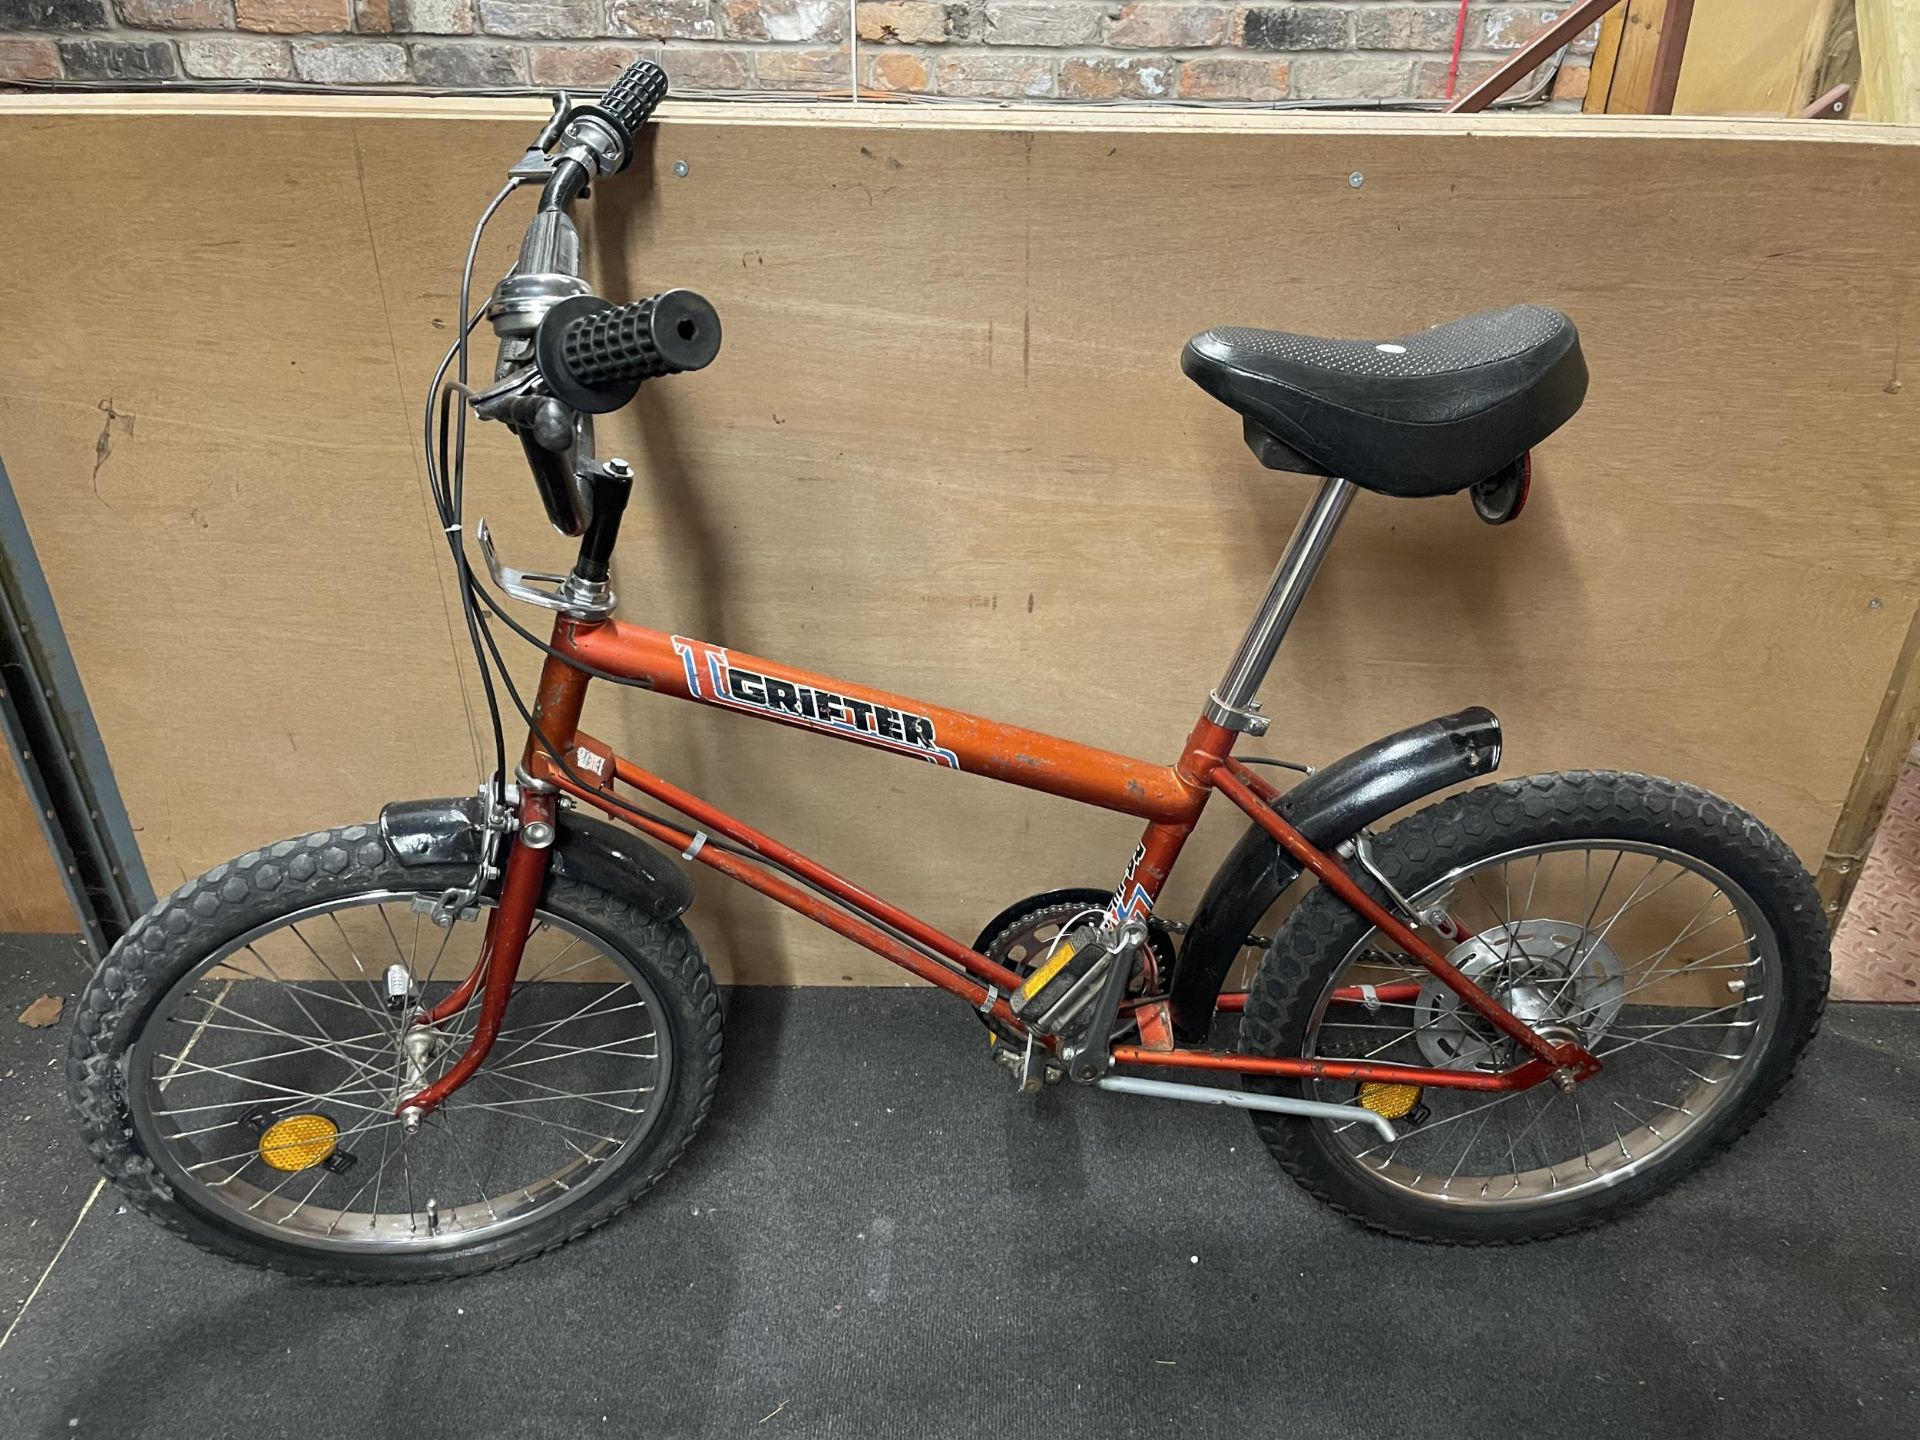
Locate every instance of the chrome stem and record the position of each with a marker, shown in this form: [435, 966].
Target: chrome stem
[1233, 704]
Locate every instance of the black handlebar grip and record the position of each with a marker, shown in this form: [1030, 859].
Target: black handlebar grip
[594, 356]
[631, 100]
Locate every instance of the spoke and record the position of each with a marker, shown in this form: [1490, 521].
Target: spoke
[307, 1095]
[1606, 884]
[378, 1009]
[581, 1013]
[1527, 904]
[1677, 1025]
[1466, 1150]
[306, 1049]
[559, 1097]
[351, 1042]
[386, 1138]
[543, 1026]
[1636, 898]
[313, 1189]
[192, 1040]
[252, 1152]
[1438, 1124]
[497, 1106]
[294, 992]
[1687, 932]
[444, 1123]
[608, 1049]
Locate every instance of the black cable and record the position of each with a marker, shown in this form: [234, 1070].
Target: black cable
[1277, 764]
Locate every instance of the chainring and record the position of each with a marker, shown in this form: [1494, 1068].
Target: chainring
[1021, 937]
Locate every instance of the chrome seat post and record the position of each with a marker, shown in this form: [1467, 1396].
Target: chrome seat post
[1232, 704]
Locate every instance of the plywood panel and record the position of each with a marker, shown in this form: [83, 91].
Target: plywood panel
[947, 450]
[32, 899]
[1747, 57]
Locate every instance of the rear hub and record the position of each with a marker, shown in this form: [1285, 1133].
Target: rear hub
[1563, 981]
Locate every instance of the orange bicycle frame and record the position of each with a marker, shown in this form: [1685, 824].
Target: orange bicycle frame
[562, 760]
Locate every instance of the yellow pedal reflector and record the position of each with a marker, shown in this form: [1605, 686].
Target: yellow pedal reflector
[1387, 1100]
[1040, 978]
[298, 1142]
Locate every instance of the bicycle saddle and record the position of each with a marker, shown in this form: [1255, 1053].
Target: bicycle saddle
[1426, 414]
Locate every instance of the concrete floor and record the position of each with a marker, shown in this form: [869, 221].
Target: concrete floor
[876, 1236]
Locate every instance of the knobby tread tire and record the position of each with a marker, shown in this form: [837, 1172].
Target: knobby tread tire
[212, 910]
[1476, 824]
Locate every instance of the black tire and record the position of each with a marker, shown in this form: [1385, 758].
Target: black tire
[1476, 825]
[210, 912]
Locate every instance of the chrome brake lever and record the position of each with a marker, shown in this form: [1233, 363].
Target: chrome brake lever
[570, 595]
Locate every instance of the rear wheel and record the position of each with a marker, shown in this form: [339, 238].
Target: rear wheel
[239, 1056]
[1674, 936]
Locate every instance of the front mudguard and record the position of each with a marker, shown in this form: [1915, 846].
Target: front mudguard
[1329, 807]
[448, 832]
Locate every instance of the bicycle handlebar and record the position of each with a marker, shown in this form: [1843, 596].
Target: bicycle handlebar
[631, 100]
[593, 355]
[565, 354]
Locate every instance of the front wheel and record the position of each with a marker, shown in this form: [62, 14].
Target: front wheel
[1674, 936]
[238, 1058]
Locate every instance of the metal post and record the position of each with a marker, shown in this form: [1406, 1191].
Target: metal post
[1233, 704]
[50, 730]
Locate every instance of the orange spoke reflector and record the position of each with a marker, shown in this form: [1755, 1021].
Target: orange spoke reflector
[298, 1142]
[1388, 1101]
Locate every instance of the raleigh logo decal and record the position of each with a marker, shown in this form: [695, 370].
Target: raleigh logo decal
[725, 683]
[1131, 901]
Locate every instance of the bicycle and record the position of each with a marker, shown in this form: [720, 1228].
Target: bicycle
[472, 1030]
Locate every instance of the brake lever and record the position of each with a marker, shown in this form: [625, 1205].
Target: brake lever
[515, 401]
[537, 163]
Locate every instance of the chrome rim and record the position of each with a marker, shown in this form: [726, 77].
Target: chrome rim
[293, 1020]
[1655, 961]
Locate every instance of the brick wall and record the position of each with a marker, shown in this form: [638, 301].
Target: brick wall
[1074, 49]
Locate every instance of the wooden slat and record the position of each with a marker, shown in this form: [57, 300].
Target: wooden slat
[1606, 60]
[947, 449]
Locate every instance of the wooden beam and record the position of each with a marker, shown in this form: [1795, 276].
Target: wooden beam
[1889, 61]
[1667, 59]
[1895, 727]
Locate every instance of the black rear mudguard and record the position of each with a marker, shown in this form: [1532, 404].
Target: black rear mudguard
[447, 832]
[1329, 807]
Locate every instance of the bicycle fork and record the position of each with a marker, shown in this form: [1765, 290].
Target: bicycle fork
[494, 973]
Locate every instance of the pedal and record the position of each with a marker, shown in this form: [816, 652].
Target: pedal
[1062, 984]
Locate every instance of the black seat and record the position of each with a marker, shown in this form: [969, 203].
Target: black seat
[1426, 414]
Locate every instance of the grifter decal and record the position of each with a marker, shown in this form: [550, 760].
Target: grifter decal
[725, 683]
